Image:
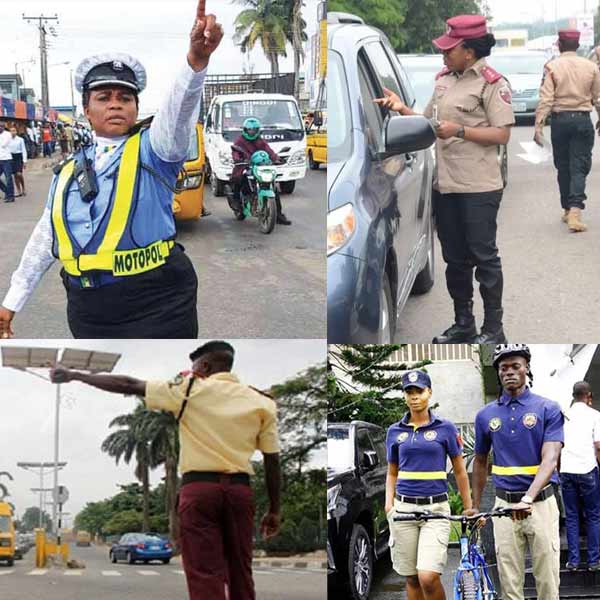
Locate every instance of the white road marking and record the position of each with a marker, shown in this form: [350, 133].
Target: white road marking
[111, 573]
[73, 572]
[6, 572]
[148, 573]
[38, 572]
[178, 571]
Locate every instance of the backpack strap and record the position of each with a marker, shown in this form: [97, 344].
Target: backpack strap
[185, 400]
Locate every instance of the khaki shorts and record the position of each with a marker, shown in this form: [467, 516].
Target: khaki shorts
[419, 545]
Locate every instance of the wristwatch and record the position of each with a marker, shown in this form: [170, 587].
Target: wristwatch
[461, 133]
[527, 499]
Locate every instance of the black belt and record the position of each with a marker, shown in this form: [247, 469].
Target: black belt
[516, 496]
[422, 499]
[571, 113]
[215, 477]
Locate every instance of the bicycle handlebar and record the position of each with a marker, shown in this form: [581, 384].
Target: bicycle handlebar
[429, 516]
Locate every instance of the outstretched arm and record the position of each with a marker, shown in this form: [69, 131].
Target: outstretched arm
[117, 384]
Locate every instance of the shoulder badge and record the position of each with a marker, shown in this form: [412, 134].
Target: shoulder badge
[177, 380]
[505, 94]
[443, 72]
[490, 75]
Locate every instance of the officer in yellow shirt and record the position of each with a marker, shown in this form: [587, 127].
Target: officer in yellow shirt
[222, 422]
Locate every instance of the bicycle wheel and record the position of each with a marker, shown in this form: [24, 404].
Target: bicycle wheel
[467, 586]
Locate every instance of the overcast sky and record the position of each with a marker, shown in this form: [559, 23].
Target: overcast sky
[27, 408]
[154, 31]
[533, 10]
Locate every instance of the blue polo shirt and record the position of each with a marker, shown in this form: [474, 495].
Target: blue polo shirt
[421, 454]
[515, 429]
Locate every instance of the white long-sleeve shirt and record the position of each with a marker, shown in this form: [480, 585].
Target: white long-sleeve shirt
[17, 146]
[169, 137]
[5, 138]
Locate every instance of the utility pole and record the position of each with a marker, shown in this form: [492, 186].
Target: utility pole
[43, 54]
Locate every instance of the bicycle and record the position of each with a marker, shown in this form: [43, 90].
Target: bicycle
[472, 580]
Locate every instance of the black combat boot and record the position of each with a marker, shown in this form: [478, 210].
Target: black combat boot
[463, 330]
[281, 218]
[492, 331]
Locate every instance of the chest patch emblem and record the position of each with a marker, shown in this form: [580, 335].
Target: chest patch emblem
[495, 424]
[430, 435]
[529, 420]
[403, 437]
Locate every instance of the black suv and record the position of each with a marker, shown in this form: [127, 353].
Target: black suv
[357, 527]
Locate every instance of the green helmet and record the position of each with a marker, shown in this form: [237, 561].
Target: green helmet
[260, 157]
[251, 128]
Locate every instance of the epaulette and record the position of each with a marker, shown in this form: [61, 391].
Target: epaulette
[490, 75]
[443, 72]
[261, 392]
[143, 124]
[59, 167]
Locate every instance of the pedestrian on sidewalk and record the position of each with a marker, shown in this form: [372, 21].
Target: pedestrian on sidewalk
[63, 141]
[18, 151]
[579, 479]
[569, 91]
[123, 272]
[525, 432]
[418, 447]
[47, 140]
[222, 422]
[471, 109]
[6, 164]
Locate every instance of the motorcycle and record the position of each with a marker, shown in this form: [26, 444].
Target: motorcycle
[259, 194]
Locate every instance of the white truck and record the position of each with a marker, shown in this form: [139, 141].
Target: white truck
[282, 129]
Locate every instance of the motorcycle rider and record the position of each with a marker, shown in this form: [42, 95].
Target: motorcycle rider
[243, 148]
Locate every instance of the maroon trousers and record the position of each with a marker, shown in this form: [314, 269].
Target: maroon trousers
[216, 522]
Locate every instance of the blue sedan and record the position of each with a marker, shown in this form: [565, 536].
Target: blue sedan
[134, 547]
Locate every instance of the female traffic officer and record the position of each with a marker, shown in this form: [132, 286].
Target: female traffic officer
[472, 111]
[109, 213]
[418, 447]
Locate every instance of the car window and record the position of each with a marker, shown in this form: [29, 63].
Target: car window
[378, 439]
[373, 116]
[192, 153]
[339, 135]
[363, 442]
[407, 86]
[124, 539]
[382, 66]
[4, 524]
[518, 64]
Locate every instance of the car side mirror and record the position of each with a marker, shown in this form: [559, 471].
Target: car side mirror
[408, 134]
[318, 118]
[370, 459]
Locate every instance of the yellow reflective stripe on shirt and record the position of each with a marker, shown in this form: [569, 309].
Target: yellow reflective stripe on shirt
[132, 262]
[498, 470]
[65, 248]
[422, 475]
[123, 198]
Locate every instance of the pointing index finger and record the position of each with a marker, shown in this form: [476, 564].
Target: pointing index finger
[201, 10]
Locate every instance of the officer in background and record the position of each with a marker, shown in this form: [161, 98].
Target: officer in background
[595, 57]
[471, 108]
[109, 216]
[525, 432]
[579, 479]
[222, 422]
[570, 89]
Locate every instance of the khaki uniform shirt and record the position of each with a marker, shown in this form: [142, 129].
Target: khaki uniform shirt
[223, 424]
[570, 83]
[595, 58]
[471, 100]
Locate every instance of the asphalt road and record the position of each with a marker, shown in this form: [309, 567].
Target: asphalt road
[551, 276]
[103, 580]
[251, 285]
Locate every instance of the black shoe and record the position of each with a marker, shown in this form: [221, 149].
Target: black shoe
[491, 330]
[594, 567]
[283, 220]
[571, 567]
[9, 200]
[463, 330]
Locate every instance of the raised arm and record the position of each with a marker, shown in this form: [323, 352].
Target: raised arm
[117, 384]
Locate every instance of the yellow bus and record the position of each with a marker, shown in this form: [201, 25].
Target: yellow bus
[7, 534]
[188, 204]
[316, 141]
[84, 538]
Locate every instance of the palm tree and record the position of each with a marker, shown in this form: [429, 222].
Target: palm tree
[3, 488]
[162, 432]
[296, 35]
[127, 442]
[266, 22]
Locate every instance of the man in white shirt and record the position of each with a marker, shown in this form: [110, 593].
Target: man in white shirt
[6, 164]
[18, 152]
[579, 477]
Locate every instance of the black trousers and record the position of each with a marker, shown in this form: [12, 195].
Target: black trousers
[157, 304]
[572, 144]
[466, 226]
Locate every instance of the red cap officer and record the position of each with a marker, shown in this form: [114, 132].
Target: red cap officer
[460, 28]
[569, 34]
